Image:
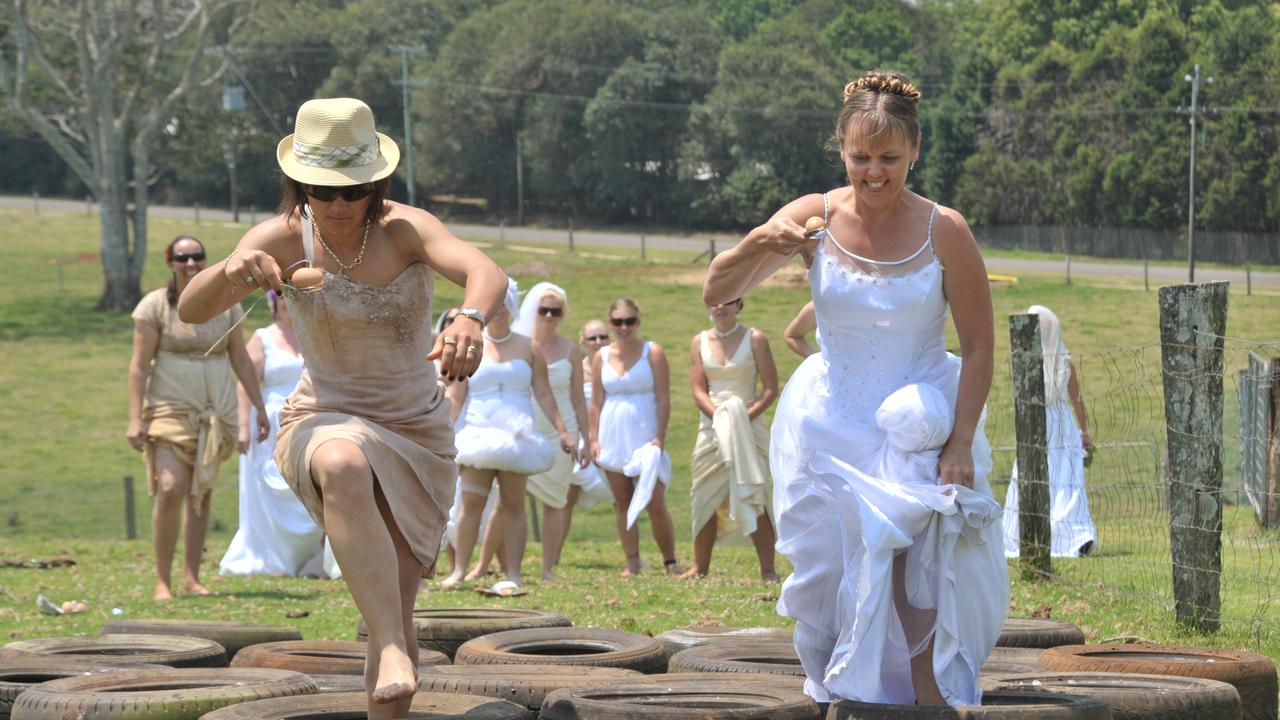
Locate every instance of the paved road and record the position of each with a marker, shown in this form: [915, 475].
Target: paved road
[1131, 272]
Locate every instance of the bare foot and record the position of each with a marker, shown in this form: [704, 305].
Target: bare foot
[770, 577]
[163, 592]
[548, 575]
[193, 587]
[673, 567]
[692, 573]
[451, 582]
[396, 677]
[476, 574]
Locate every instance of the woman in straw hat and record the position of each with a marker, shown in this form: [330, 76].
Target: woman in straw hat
[364, 440]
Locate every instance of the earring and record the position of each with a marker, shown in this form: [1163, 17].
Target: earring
[912, 166]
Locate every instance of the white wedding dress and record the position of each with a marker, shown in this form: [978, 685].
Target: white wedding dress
[276, 536]
[854, 453]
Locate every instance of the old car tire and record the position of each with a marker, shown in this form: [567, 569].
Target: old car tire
[168, 694]
[327, 657]
[593, 647]
[1253, 675]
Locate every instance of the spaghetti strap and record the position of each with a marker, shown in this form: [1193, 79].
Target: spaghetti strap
[308, 244]
[929, 236]
[826, 211]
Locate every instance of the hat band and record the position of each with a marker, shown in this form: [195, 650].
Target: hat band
[323, 156]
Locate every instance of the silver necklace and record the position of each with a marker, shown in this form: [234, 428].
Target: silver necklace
[315, 230]
[730, 331]
[495, 340]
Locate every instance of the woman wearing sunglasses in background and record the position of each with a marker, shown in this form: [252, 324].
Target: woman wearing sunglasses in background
[497, 441]
[182, 410]
[365, 440]
[539, 318]
[731, 493]
[631, 404]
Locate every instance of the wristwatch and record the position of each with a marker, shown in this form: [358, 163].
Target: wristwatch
[474, 314]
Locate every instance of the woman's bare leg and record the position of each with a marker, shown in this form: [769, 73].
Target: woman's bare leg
[703, 543]
[468, 525]
[491, 546]
[197, 528]
[664, 531]
[365, 548]
[410, 573]
[173, 484]
[515, 529]
[764, 539]
[922, 679]
[554, 521]
[623, 488]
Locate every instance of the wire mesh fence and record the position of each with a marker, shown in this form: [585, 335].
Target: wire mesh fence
[1128, 482]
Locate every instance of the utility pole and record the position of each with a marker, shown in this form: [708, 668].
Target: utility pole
[404, 51]
[1194, 79]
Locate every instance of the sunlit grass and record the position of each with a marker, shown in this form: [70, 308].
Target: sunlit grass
[63, 408]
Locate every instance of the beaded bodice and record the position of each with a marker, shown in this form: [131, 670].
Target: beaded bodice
[882, 323]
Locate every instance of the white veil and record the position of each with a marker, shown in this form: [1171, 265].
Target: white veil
[522, 322]
[1057, 361]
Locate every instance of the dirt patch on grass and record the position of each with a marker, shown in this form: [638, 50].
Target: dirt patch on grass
[791, 276]
[530, 268]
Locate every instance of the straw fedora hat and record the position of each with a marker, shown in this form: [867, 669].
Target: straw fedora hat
[334, 143]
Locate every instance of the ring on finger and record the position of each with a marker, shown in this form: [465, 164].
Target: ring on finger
[450, 341]
[471, 349]
[248, 279]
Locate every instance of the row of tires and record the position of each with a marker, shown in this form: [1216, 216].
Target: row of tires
[546, 668]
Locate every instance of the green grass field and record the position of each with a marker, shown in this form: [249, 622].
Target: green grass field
[63, 408]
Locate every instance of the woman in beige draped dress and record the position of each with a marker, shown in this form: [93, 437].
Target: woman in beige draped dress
[182, 411]
[731, 492]
[364, 440]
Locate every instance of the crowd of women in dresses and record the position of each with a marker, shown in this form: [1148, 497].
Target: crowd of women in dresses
[873, 479]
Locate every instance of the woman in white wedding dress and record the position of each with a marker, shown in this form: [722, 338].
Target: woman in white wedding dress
[1072, 532]
[497, 441]
[900, 588]
[276, 535]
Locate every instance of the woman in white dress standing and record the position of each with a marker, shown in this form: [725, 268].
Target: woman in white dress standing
[276, 535]
[497, 440]
[731, 492]
[1072, 532]
[631, 405]
[541, 313]
[879, 463]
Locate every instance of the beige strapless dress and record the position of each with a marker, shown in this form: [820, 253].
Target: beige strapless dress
[367, 380]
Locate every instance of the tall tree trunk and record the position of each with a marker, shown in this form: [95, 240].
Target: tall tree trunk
[122, 285]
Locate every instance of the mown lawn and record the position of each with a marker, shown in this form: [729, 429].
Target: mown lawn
[63, 407]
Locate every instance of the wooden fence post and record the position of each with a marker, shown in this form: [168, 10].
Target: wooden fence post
[1193, 319]
[642, 247]
[130, 520]
[1027, 355]
[533, 519]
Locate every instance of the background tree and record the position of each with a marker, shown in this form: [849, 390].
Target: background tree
[98, 81]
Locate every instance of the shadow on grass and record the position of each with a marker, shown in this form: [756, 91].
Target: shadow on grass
[58, 317]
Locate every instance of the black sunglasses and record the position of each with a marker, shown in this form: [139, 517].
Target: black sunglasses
[597, 338]
[350, 193]
[183, 257]
[628, 321]
[553, 312]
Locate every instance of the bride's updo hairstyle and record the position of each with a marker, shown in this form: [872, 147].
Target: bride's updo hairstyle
[878, 106]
